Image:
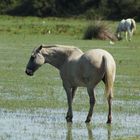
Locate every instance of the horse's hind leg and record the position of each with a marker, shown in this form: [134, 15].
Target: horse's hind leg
[92, 103]
[109, 110]
[109, 99]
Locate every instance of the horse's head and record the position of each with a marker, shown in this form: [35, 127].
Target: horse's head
[35, 61]
[118, 35]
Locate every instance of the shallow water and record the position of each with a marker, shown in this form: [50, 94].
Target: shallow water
[50, 124]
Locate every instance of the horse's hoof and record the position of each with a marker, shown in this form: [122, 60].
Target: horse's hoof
[87, 120]
[108, 122]
[69, 119]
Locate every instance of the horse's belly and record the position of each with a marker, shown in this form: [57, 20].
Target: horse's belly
[79, 83]
[82, 80]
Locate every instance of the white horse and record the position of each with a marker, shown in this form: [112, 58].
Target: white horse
[128, 26]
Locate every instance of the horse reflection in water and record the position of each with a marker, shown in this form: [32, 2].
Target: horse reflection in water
[77, 69]
[69, 135]
[90, 133]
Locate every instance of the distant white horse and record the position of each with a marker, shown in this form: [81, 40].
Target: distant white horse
[128, 26]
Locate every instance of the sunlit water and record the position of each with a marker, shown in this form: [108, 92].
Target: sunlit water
[50, 124]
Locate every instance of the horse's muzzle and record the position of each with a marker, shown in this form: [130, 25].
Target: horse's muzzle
[29, 72]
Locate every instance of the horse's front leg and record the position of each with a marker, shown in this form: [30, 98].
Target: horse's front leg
[126, 36]
[92, 103]
[69, 100]
[129, 34]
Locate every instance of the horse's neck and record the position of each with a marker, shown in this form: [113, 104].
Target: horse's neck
[57, 56]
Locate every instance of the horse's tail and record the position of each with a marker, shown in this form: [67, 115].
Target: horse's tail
[109, 78]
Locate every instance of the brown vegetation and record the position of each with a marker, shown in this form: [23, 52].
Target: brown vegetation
[99, 30]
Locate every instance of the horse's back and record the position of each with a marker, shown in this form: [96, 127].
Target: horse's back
[126, 24]
[96, 56]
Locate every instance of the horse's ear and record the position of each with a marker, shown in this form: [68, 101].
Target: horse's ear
[40, 47]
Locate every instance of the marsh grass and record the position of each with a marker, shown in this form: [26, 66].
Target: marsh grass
[98, 30]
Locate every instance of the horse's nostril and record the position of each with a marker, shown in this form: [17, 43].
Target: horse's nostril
[29, 72]
[26, 72]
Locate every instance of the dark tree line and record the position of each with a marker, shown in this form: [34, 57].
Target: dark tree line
[109, 9]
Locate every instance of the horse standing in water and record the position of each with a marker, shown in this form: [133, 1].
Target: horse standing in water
[128, 26]
[77, 69]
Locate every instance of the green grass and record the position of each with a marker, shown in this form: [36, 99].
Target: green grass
[19, 35]
[16, 44]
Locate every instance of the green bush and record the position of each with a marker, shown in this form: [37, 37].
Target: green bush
[40, 8]
[108, 9]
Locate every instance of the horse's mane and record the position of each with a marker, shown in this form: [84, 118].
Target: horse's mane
[67, 49]
[58, 46]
